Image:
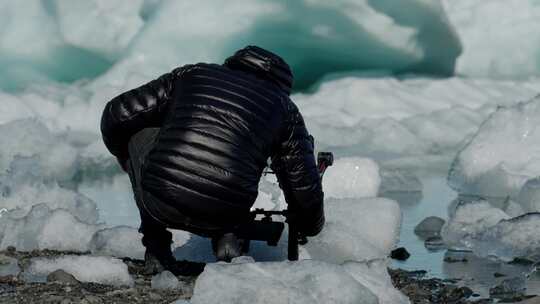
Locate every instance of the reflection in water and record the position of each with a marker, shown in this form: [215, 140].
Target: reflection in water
[481, 274]
[405, 199]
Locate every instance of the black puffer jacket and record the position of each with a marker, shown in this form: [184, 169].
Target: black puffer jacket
[218, 126]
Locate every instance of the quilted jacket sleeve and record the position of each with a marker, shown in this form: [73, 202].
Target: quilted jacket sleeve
[298, 176]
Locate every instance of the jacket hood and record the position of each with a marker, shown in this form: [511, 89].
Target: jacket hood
[264, 63]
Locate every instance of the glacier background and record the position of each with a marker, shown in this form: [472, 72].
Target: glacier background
[400, 93]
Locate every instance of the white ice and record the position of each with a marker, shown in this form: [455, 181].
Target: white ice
[8, 266]
[468, 221]
[284, 282]
[119, 23]
[529, 195]
[356, 230]
[496, 37]
[45, 228]
[164, 280]
[409, 123]
[104, 270]
[490, 232]
[502, 155]
[352, 177]
[516, 237]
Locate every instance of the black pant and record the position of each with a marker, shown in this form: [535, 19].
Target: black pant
[154, 225]
[155, 233]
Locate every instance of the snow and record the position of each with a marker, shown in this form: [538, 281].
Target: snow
[502, 155]
[104, 270]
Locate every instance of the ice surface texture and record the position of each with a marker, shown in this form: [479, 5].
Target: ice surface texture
[104, 270]
[165, 280]
[352, 177]
[502, 155]
[496, 37]
[356, 230]
[284, 282]
[468, 221]
[490, 232]
[91, 36]
[404, 122]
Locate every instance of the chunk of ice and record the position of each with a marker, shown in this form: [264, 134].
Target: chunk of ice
[529, 195]
[469, 221]
[352, 177]
[279, 282]
[165, 280]
[374, 275]
[357, 230]
[44, 228]
[502, 155]
[118, 21]
[510, 238]
[104, 270]
[119, 241]
[491, 38]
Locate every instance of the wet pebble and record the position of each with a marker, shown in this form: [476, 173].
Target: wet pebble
[429, 227]
[400, 254]
[509, 288]
[8, 266]
[154, 296]
[62, 276]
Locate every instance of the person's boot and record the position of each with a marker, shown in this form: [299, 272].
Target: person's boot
[156, 263]
[227, 247]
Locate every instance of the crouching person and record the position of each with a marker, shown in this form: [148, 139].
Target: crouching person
[195, 142]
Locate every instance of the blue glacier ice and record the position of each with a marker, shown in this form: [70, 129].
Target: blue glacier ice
[69, 40]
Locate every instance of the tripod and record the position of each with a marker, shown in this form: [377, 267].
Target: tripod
[266, 229]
